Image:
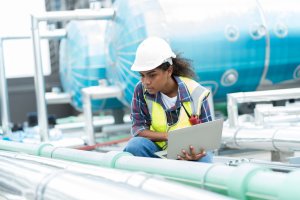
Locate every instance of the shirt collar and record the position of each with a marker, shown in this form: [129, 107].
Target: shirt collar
[183, 93]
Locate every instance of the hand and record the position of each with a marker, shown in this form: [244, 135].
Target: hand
[192, 155]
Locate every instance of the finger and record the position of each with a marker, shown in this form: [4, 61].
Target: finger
[200, 155]
[192, 150]
[179, 157]
[186, 155]
[202, 150]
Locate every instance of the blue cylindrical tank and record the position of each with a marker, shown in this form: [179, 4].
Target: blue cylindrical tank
[282, 19]
[234, 45]
[82, 62]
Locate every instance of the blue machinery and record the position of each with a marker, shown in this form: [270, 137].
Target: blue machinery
[234, 45]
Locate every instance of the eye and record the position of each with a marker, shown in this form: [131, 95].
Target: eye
[152, 75]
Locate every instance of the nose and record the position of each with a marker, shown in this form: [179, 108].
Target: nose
[146, 81]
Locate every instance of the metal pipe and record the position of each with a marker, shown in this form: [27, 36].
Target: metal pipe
[39, 82]
[232, 111]
[276, 120]
[242, 182]
[57, 34]
[264, 114]
[57, 98]
[53, 34]
[84, 14]
[260, 96]
[275, 166]
[31, 181]
[96, 92]
[88, 136]
[278, 139]
[59, 169]
[4, 94]
[246, 181]
[107, 129]
[263, 30]
[80, 14]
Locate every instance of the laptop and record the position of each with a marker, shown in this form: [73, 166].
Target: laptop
[205, 135]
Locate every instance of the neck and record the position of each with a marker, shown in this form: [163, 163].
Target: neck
[171, 88]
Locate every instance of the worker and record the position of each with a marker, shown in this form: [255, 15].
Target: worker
[166, 98]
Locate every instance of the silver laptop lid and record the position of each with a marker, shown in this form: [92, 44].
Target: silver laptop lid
[205, 135]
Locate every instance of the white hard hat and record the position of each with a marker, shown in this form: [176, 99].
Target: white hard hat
[151, 53]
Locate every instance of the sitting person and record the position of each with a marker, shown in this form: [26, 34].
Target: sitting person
[166, 98]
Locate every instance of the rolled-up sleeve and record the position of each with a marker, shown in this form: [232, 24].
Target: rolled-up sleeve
[140, 116]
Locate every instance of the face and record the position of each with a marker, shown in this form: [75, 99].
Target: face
[155, 80]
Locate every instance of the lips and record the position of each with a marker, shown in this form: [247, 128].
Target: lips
[150, 90]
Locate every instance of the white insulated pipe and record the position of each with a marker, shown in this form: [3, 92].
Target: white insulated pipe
[278, 114]
[96, 92]
[80, 14]
[39, 82]
[234, 99]
[276, 139]
[44, 178]
[4, 94]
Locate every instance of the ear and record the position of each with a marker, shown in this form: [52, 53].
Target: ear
[170, 70]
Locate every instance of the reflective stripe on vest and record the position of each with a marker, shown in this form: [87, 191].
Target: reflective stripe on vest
[158, 114]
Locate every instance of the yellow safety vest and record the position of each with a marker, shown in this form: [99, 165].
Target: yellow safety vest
[158, 114]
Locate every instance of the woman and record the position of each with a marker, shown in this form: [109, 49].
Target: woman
[165, 99]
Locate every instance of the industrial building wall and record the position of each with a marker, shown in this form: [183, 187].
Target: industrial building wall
[22, 98]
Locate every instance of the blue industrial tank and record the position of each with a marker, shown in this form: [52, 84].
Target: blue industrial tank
[82, 62]
[234, 45]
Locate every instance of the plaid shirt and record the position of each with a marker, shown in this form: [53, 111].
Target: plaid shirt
[141, 118]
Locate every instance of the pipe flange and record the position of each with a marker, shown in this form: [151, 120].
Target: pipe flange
[281, 30]
[110, 158]
[273, 140]
[41, 187]
[230, 77]
[234, 137]
[203, 181]
[232, 32]
[237, 186]
[296, 74]
[257, 31]
[41, 147]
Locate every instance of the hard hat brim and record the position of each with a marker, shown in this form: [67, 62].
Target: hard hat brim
[150, 66]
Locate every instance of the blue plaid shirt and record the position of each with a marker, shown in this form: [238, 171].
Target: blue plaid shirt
[141, 118]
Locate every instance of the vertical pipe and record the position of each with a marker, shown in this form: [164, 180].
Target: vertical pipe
[267, 49]
[232, 111]
[88, 116]
[4, 94]
[39, 82]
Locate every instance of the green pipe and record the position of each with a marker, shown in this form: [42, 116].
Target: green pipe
[49, 151]
[263, 185]
[31, 149]
[246, 181]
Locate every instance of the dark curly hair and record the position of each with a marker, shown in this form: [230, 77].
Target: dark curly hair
[181, 67]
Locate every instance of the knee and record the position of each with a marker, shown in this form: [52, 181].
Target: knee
[208, 158]
[134, 145]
